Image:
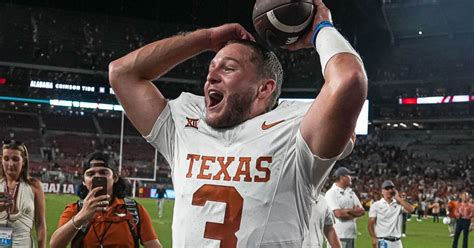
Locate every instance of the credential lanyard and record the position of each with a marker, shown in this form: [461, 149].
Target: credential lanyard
[15, 191]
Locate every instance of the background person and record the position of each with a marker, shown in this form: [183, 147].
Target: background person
[435, 209]
[405, 217]
[465, 219]
[23, 205]
[452, 210]
[105, 220]
[160, 199]
[346, 207]
[321, 226]
[385, 218]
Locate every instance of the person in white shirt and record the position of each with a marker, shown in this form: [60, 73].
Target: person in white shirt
[244, 168]
[321, 223]
[385, 218]
[346, 207]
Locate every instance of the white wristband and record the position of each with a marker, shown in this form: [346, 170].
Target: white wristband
[330, 42]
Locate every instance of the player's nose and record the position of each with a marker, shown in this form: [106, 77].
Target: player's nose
[213, 76]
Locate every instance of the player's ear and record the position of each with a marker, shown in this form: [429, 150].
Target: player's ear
[266, 88]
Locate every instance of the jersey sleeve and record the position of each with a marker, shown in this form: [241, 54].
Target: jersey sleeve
[373, 211]
[162, 134]
[147, 232]
[68, 213]
[313, 169]
[356, 200]
[171, 122]
[331, 200]
[329, 217]
[348, 150]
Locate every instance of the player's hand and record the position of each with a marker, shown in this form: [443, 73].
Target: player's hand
[219, 36]
[92, 204]
[374, 242]
[322, 14]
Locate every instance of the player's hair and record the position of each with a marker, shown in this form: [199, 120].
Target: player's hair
[19, 146]
[268, 66]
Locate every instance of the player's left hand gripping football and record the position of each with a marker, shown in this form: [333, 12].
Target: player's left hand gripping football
[322, 14]
[219, 36]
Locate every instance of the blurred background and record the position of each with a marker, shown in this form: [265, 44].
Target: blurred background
[419, 56]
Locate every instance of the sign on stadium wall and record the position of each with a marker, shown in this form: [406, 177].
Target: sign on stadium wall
[58, 188]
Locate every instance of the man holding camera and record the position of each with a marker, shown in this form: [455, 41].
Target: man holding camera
[385, 218]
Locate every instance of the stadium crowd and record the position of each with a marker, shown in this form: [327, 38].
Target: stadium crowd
[421, 177]
[60, 140]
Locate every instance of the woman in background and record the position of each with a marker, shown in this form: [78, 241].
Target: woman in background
[22, 203]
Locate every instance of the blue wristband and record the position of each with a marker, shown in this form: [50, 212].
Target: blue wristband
[318, 28]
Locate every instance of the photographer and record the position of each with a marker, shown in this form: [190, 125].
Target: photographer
[385, 218]
[108, 220]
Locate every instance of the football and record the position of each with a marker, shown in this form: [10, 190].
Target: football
[282, 22]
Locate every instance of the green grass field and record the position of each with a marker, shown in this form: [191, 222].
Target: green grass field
[424, 234]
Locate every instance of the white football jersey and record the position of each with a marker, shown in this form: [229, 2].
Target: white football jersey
[321, 216]
[245, 186]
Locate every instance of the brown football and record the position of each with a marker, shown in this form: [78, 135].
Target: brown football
[281, 22]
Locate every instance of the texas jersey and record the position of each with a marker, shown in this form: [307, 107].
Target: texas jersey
[245, 186]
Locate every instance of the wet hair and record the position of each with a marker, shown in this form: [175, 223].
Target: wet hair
[267, 64]
[19, 146]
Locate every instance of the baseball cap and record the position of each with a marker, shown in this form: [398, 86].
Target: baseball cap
[342, 171]
[103, 161]
[387, 183]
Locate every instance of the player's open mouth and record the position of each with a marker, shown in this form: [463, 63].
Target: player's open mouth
[215, 97]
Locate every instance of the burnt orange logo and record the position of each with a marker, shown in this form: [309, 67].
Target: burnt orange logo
[192, 123]
[266, 126]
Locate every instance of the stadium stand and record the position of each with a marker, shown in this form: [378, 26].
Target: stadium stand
[53, 49]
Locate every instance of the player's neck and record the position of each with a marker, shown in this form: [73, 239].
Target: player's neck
[259, 107]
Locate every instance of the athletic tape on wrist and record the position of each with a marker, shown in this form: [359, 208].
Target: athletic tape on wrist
[318, 28]
[330, 42]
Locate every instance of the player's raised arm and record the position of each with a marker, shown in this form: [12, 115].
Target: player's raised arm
[331, 120]
[131, 75]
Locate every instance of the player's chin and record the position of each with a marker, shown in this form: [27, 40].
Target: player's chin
[213, 119]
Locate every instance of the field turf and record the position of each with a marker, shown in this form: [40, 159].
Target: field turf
[425, 234]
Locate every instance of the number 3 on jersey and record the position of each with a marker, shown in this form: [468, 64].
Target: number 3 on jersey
[224, 232]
